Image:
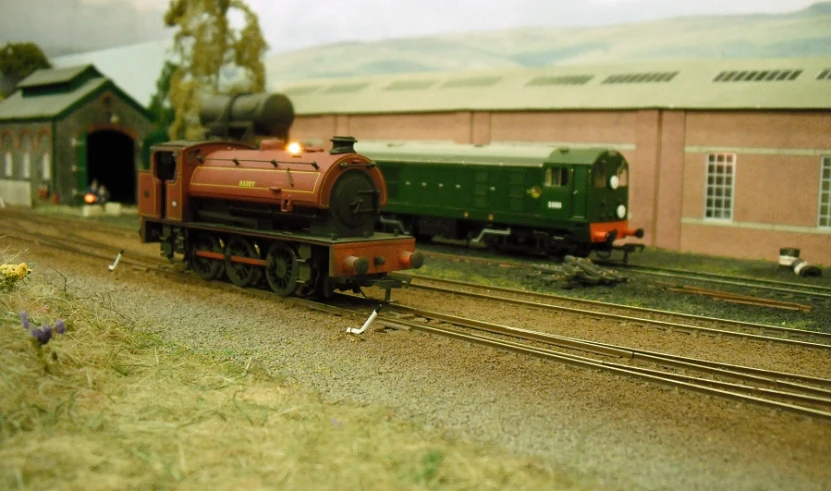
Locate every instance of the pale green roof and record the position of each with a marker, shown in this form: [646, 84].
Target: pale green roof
[60, 91]
[515, 155]
[47, 106]
[787, 83]
[57, 76]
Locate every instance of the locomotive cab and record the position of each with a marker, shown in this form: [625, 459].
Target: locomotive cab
[608, 189]
[607, 192]
[154, 183]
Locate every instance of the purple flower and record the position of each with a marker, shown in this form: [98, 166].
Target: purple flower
[42, 334]
[60, 327]
[24, 319]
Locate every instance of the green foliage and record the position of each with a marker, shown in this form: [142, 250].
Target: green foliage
[159, 107]
[206, 44]
[19, 60]
[431, 463]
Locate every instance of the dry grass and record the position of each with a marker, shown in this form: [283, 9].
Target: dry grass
[103, 407]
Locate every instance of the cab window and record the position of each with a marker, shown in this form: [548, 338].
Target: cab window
[556, 177]
[166, 166]
[600, 175]
[622, 176]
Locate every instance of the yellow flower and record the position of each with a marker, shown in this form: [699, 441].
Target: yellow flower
[13, 273]
[22, 270]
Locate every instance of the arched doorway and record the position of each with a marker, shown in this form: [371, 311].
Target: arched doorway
[111, 161]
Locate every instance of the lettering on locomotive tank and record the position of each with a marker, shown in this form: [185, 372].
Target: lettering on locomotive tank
[246, 184]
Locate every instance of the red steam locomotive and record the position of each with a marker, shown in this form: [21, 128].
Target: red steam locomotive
[301, 218]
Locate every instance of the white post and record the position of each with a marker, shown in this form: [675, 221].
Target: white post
[117, 258]
[368, 322]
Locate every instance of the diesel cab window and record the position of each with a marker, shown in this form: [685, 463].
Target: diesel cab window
[556, 177]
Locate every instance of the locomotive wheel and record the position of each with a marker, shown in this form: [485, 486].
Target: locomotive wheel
[281, 269]
[324, 289]
[603, 254]
[209, 269]
[582, 250]
[241, 274]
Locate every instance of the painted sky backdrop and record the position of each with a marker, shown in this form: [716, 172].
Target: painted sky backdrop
[66, 26]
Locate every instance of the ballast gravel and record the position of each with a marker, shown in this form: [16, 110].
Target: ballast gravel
[615, 432]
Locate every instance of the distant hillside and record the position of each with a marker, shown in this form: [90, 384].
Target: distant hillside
[801, 34]
[92, 25]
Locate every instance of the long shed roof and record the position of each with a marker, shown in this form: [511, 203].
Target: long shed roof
[787, 83]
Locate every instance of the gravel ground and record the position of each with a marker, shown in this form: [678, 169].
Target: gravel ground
[610, 430]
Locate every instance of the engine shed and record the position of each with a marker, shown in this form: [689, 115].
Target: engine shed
[62, 130]
[728, 157]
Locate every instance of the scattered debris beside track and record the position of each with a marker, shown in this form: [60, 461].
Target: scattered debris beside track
[577, 270]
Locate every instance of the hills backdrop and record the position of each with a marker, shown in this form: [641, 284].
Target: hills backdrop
[805, 33]
[136, 68]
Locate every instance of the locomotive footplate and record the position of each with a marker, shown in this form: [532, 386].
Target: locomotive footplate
[297, 236]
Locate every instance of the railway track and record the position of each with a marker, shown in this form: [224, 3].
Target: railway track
[16, 228]
[812, 291]
[795, 393]
[760, 284]
[799, 394]
[776, 286]
[717, 327]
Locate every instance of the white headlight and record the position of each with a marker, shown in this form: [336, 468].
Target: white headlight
[614, 182]
[621, 211]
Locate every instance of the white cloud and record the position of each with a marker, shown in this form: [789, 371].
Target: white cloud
[613, 2]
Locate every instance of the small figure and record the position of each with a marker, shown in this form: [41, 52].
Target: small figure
[103, 195]
[92, 195]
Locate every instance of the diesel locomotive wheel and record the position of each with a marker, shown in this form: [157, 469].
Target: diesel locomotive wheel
[206, 268]
[581, 250]
[240, 273]
[603, 253]
[281, 269]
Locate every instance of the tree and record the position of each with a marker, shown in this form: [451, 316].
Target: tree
[159, 107]
[207, 46]
[19, 60]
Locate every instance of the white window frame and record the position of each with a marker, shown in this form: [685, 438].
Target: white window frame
[26, 148]
[27, 165]
[9, 164]
[46, 166]
[824, 201]
[718, 204]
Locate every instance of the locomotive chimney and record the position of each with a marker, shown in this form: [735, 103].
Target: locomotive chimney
[342, 144]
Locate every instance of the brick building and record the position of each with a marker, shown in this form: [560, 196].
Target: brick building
[62, 129]
[728, 157]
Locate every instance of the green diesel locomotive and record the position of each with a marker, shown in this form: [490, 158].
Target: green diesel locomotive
[530, 198]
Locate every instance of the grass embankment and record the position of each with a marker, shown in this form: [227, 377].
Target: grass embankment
[107, 406]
